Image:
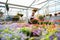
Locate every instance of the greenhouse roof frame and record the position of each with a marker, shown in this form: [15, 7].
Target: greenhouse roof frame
[13, 7]
[30, 5]
[22, 5]
[16, 5]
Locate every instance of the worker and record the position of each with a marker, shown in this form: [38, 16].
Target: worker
[33, 12]
[58, 14]
[1, 16]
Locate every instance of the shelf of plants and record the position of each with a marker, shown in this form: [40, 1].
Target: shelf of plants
[23, 31]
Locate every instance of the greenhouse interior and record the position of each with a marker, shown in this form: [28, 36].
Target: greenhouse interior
[29, 19]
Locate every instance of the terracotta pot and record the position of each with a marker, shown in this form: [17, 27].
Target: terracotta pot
[36, 25]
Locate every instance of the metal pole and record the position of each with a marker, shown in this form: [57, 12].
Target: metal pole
[5, 15]
[55, 7]
[6, 1]
[0, 9]
[48, 6]
[38, 12]
[26, 16]
[5, 12]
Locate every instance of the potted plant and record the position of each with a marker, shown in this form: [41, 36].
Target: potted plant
[35, 21]
[41, 17]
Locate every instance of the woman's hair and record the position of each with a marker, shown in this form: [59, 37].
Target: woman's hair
[47, 14]
[55, 14]
[50, 15]
[59, 13]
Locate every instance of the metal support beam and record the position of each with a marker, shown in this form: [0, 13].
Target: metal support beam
[45, 4]
[16, 5]
[40, 3]
[56, 1]
[32, 3]
[53, 5]
[13, 7]
[42, 6]
[55, 11]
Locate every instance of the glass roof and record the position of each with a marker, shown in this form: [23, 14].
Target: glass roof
[30, 3]
[43, 5]
[26, 2]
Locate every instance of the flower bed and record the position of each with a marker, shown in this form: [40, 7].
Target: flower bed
[18, 31]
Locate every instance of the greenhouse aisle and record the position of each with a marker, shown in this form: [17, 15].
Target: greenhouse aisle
[29, 19]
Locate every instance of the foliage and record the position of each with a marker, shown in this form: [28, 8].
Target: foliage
[35, 21]
[41, 17]
[25, 30]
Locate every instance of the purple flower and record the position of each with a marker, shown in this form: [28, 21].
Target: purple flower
[36, 32]
[3, 39]
[14, 25]
[58, 38]
[9, 35]
[51, 37]
[58, 34]
[1, 27]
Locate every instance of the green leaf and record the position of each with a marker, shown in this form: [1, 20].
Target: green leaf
[41, 17]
